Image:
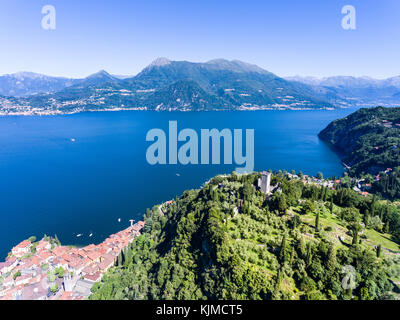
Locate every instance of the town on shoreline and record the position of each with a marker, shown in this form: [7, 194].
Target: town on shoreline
[46, 270]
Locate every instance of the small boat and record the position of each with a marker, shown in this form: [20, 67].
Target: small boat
[73, 140]
[119, 219]
[90, 235]
[79, 235]
[178, 175]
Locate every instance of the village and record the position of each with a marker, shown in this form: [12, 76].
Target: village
[362, 186]
[46, 270]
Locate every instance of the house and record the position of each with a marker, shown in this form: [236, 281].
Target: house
[93, 277]
[76, 266]
[106, 264]
[59, 251]
[22, 249]
[43, 245]
[45, 255]
[9, 281]
[94, 256]
[23, 280]
[90, 269]
[7, 266]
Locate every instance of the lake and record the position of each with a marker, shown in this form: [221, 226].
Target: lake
[81, 173]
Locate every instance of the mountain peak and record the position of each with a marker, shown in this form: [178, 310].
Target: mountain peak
[101, 73]
[159, 62]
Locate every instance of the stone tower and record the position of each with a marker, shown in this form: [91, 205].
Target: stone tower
[265, 183]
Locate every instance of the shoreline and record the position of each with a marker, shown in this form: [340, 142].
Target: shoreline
[59, 113]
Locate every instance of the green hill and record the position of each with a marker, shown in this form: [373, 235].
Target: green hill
[369, 139]
[229, 241]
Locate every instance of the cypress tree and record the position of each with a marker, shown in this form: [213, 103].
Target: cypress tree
[387, 229]
[301, 247]
[317, 223]
[309, 254]
[379, 251]
[331, 259]
[283, 249]
[355, 236]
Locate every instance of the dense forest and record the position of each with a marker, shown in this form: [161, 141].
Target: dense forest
[369, 139]
[228, 240]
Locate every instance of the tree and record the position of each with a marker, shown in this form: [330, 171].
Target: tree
[317, 223]
[308, 207]
[320, 176]
[309, 254]
[331, 259]
[54, 288]
[57, 241]
[364, 294]
[301, 247]
[279, 202]
[296, 221]
[292, 256]
[355, 237]
[378, 251]
[387, 228]
[16, 275]
[282, 255]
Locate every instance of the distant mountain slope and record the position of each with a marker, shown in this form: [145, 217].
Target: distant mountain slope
[25, 84]
[362, 91]
[29, 83]
[96, 79]
[220, 84]
[176, 85]
[182, 95]
[234, 83]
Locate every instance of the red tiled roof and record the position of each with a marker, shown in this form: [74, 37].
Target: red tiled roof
[23, 244]
[93, 277]
[94, 255]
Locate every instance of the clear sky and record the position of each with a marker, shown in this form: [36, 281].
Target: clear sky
[287, 37]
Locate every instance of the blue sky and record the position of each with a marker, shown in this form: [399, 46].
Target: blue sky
[287, 37]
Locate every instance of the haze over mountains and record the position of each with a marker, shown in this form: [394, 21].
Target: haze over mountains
[186, 86]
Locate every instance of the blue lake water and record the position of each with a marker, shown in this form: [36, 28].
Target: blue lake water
[50, 184]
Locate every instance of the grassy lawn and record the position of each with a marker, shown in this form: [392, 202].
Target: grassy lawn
[382, 239]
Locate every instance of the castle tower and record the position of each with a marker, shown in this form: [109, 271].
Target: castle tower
[68, 283]
[266, 182]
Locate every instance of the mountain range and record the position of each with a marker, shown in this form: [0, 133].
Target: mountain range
[186, 86]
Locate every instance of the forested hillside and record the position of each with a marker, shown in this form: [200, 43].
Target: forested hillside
[230, 241]
[370, 142]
